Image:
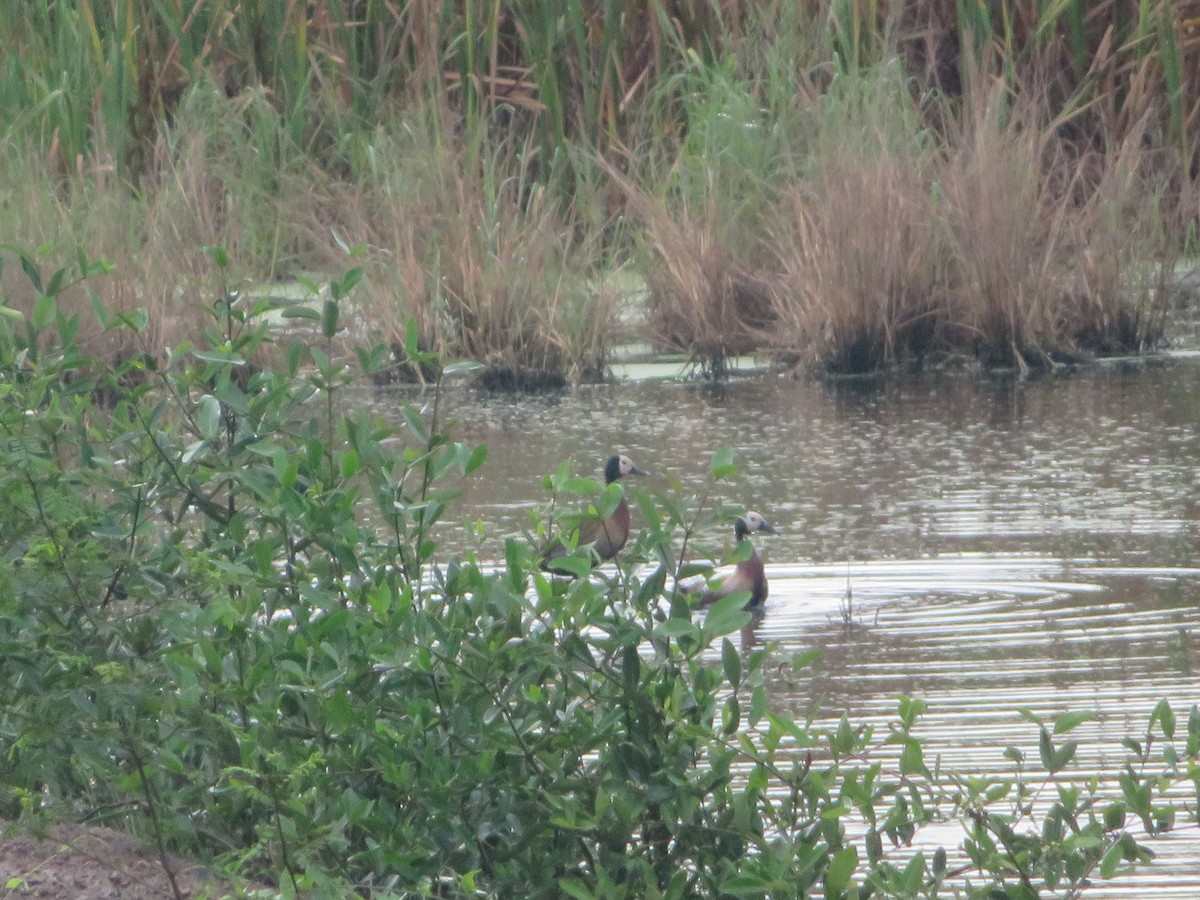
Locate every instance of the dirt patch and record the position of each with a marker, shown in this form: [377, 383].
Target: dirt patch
[75, 862]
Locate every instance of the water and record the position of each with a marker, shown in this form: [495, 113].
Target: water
[1003, 543]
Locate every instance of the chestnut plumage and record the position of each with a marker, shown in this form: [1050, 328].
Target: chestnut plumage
[749, 575]
[605, 536]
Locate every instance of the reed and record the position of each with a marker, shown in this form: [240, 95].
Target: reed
[706, 201]
[859, 281]
[1056, 254]
[265, 128]
[95, 80]
[464, 238]
[861, 286]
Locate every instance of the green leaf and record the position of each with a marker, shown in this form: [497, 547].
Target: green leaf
[731, 662]
[572, 564]
[99, 311]
[1045, 749]
[675, 628]
[31, 272]
[652, 587]
[722, 464]
[219, 256]
[610, 499]
[1028, 715]
[1067, 721]
[1111, 859]
[939, 862]
[1063, 756]
[806, 658]
[329, 318]
[476, 459]
[208, 416]
[1165, 716]
[411, 339]
[841, 867]
[758, 706]
[727, 616]
[137, 320]
[912, 759]
[692, 569]
[43, 313]
[1084, 840]
[300, 311]
[583, 487]
[910, 709]
[573, 887]
[914, 875]
[374, 359]
[348, 282]
[321, 358]
[292, 357]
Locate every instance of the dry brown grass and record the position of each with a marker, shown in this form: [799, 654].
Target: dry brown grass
[704, 298]
[205, 188]
[862, 282]
[490, 263]
[101, 219]
[1007, 244]
[893, 229]
[1057, 253]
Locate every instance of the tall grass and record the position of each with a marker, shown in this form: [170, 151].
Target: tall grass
[489, 155]
[1056, 253]
[491, 263]
[860, 269]
[95, 81]
[995, 237]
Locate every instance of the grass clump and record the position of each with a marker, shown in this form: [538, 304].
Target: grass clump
[1057, 254]
[888, 226]
[491, 263]
[860, 282]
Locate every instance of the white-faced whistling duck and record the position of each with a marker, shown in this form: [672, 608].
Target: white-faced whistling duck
[749, 574]
[606, 536]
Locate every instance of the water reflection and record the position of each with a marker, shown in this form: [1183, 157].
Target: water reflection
[1003, 543]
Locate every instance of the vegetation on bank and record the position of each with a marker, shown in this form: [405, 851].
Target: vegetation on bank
[849, 184]
[226, 627]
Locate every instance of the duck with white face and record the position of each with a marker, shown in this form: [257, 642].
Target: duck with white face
[750, 574]
[608, 535]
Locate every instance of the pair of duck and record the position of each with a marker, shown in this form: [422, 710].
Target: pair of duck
[608, 535]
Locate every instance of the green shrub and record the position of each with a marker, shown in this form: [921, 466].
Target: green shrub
[224, 625]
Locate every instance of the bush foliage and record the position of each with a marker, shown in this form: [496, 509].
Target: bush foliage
[225, 626]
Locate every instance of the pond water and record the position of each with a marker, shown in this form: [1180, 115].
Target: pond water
[1004, 543]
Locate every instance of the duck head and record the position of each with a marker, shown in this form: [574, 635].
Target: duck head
[618, 466]
[751, 522]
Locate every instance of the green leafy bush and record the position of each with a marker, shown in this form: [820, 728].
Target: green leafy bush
[224, 626]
